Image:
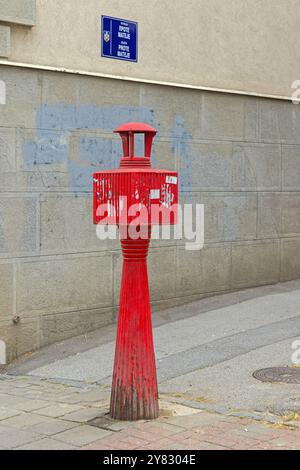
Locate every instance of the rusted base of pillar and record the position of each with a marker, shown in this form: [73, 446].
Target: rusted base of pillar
[125, 408]
[134, 387]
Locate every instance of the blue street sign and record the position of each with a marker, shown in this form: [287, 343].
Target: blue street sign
[119, 39]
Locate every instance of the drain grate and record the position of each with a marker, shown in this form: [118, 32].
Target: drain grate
[288, 375]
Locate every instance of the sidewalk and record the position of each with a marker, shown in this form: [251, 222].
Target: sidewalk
[206, 354]
[45, 414]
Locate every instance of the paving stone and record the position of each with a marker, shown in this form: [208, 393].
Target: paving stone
[228, 440]
[21, 384]
[285, 443]
[4, 428]
[47, 444]
[19, 403]
[261, 434]
[72, 398]
[82, 435]
[163, 428]
[208, 446]
[103, 405]
[98, 445]
[194, 420]
[26, 392]
[105, 422]
[134, 441]
[95, 396]
[174, 446]
[143, 434]
[83, 415]
[51, 426]
[161, 444]
[23, 420]
[57, 410]
[16, 437]
[8, 413]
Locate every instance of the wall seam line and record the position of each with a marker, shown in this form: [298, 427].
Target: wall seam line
[147, 81]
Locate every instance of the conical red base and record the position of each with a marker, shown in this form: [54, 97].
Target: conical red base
[134, 386]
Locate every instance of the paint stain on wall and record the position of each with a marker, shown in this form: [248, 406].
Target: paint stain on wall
[182, 150]
[72, 139]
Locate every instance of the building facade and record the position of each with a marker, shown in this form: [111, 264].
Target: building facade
[215, 78]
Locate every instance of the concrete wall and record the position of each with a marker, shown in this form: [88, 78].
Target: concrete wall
[18, 11]
[240, 156]
[249, 45]
[4, 41]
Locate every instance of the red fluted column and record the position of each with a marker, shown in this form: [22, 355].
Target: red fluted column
[134, 386]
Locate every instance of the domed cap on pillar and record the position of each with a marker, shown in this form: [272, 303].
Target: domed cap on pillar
[127, 132]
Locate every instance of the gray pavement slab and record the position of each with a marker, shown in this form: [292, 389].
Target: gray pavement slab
[50, 426]
[11, 438]
[47, 444]
[82, 435]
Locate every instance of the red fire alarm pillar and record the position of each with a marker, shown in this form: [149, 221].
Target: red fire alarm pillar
[134, 197]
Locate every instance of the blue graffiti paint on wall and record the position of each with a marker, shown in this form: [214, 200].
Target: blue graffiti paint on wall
[48, 148]
[95, 154]
[181, 143]
[62, 126]
[68, 117]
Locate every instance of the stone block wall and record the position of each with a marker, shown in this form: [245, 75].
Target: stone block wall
[238, 155]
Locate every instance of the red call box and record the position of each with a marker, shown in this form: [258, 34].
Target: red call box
[139, 195]
[135, 192]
